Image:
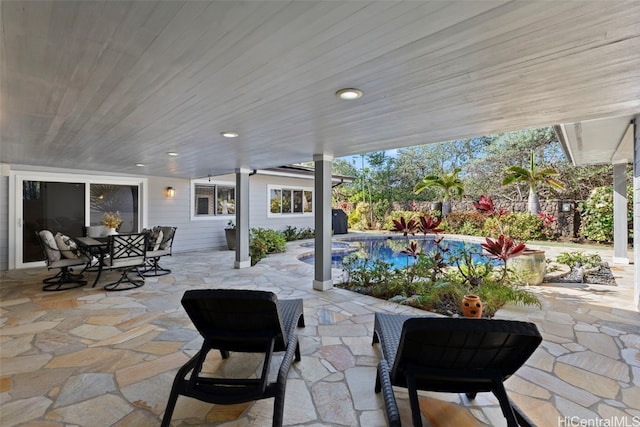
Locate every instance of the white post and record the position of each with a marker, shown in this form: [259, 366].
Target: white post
[243, 260]
[322, 213]
[620, 223]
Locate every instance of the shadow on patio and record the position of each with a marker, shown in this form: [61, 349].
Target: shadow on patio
[92, 358]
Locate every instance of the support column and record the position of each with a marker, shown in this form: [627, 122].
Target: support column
[636, 208]
[620, 224]
[243, 260]
[322, 214]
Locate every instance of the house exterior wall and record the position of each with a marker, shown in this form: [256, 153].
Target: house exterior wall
[158, 209]
[259, 195]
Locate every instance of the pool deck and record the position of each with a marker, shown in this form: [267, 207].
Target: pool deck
[87, 357]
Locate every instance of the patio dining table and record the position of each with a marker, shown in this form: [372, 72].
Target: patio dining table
[93, 247]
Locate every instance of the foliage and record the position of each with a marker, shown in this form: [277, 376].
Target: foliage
[597, 214]
[395, 216]
[533, 177]
[579, 259]
[292, 233]
[519, 225]
[264, 241]
[432, 283]
[483, 161]
[230, 225]
[359, 217]
[448, 183]
[470, 221]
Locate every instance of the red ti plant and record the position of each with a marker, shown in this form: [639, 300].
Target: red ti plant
[429, 226]
[405, 227]
[503, 249]
[412, 250]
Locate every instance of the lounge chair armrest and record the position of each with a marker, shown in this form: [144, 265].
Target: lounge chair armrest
[292, 345]
[391, 406]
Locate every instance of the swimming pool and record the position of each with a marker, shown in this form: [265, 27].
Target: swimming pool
[389, 249]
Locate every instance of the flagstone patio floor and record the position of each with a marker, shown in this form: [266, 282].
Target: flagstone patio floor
[87, 357]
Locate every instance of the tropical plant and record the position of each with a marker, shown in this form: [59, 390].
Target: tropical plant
[597, 214]
[449, 183]
[579, 259]
[533, 177]
[265, 241]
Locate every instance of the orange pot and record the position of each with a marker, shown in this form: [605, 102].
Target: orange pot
[471, 306]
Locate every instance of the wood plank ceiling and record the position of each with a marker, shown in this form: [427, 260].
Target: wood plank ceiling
[105, 85]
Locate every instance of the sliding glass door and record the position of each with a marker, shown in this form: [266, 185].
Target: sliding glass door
[67, 204]
[55, 206]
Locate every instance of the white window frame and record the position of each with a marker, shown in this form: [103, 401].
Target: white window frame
[17, 177]
[271, 187]
[212, 183]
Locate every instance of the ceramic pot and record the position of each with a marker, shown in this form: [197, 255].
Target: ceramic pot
[471, 306]
[111, 231]
[531, 266]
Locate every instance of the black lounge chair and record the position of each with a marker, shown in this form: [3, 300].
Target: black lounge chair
[245, 321]
[451, 355]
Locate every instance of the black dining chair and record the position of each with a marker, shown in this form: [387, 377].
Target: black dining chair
[127, 254]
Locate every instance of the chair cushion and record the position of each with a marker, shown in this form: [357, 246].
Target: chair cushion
[167, 237]
[158, 241]
[67, 247]
[123, 262]
[50, 246]
[69, 262]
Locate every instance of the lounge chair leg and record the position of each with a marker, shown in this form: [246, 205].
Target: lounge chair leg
[416, 416]
[505, 404]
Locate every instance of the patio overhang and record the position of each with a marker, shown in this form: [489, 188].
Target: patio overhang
[602, 141]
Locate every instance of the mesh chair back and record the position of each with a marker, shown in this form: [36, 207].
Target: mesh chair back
[236, 320]
[449, 354]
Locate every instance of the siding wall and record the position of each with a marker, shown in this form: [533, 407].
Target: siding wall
[259, 195]
[191, 235]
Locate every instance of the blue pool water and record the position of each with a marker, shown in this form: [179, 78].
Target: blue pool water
[389, 250]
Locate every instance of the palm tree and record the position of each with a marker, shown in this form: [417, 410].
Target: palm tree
[449, 183]
[533, 177]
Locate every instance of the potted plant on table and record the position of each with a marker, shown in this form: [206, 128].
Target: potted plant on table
[112, 221]
[230, 235]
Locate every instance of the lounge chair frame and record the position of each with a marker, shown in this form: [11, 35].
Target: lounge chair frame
[247, 321]
[451, 355]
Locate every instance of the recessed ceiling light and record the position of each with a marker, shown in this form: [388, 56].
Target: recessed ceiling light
[229, 134]
[172, 153]
[349, 94]
[139, 165]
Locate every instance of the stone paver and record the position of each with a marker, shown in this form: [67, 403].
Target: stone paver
[86, 357]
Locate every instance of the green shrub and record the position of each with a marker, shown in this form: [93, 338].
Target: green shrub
[597, 215]
[522, 226]
[359, 217]
[574, 259]
[290, 233]
[469, 220]
[265, 241]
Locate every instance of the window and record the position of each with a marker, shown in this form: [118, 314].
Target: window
[212, 200]
[287, 201]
